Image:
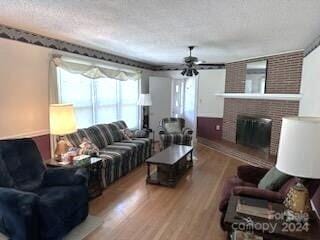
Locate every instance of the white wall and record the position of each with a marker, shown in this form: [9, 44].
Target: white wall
[210, 82]
[310, 85]
[24, 107]
[23, 89]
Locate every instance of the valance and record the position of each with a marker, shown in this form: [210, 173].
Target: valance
[94, 72]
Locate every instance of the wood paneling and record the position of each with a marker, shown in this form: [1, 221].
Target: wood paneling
[136, 211]
[207, 127]
[43, 143]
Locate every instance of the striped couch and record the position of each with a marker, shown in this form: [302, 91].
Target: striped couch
[120, 156]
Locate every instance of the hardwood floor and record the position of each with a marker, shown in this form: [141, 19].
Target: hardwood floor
[133, 210]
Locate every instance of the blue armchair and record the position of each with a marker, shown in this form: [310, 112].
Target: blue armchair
[35, 202]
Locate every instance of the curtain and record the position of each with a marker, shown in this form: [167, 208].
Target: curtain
[88, 70]
[94, 72]
[53, 97]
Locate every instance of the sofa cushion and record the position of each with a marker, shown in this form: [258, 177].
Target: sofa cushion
[21, 165]
[111, 166]
[96, 134]
[75, 139]
[181, 139]
[273, 180]
[60, 208]
[173, 127]
[114, 131]
[127, 155]
[121, 124]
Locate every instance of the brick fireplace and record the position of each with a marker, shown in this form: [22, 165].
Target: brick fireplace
[283, 77]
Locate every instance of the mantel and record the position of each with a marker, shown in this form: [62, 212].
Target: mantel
[266, 96]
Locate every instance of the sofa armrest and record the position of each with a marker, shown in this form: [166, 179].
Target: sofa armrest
[141, 133]
[186, 131]
[251, 174]
[161, 130]
[65, 176]
[18, 214]
[258, 193]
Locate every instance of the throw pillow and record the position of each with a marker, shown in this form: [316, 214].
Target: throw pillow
[126, 134]
[173, 127]
[88, 148]
[273, 180]
[142, 133]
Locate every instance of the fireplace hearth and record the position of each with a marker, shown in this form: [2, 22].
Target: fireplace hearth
[254, 131]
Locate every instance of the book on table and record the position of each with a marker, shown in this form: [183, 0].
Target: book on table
[240, 235]
[255, 207]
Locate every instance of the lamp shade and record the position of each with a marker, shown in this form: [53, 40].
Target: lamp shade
[299, 148]
[145, 100]
[62, 119]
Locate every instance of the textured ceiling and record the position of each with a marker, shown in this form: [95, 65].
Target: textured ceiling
[159, 31]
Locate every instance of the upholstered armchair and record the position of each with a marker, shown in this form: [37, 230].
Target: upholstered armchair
[36, 202]
[246, 184]
[173, 131]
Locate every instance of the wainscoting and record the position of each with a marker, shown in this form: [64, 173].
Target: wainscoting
[209, 127]
[43, 143]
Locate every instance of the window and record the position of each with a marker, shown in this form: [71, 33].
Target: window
[100, 100]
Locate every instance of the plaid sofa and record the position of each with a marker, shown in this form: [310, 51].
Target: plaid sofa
[120, 156]
[184, 137]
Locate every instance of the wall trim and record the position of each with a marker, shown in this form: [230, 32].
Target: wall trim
[264, 96]
[28, 134]
[181, 67]
[43, 41]
[312, 46]
[266, 56]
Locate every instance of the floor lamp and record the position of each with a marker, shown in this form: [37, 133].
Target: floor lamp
[145, 102]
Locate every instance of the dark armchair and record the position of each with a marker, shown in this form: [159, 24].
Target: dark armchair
[183, 135]
[246, 184]
[35, 202]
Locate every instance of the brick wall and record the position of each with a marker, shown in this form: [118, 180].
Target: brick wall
[283, 76]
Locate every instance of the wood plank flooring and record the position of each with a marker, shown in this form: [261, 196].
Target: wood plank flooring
[133, 210]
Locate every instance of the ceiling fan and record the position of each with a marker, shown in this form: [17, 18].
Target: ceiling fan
[191, 62]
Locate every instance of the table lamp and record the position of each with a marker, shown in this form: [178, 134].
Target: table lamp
[145, 101]
[62, 121]
[299, 156]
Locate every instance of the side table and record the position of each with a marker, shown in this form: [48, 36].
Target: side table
[93, 166]
[276, 228]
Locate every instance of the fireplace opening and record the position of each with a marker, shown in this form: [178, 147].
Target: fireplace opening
[254, 131]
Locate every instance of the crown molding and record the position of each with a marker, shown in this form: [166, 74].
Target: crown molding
[43, 41]
[312, 46]
[181, 67]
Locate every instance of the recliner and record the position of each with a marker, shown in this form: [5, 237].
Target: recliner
[183, 137]
[36, 202]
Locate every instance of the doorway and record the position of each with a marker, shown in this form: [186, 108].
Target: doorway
[184, 100]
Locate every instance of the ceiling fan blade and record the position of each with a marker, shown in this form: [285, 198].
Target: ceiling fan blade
[200, 62]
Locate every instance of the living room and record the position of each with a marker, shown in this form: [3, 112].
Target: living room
[159, 120]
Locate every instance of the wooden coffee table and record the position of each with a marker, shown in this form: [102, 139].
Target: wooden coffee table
[171, 164]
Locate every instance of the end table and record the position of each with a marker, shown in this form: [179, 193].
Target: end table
[93, 166]
[276, 228]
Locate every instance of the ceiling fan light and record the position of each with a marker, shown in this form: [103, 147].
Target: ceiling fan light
[189, 72]
[183, 72]
[195, 72]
